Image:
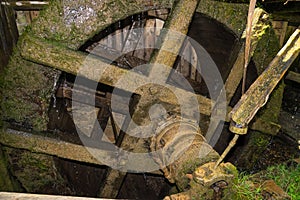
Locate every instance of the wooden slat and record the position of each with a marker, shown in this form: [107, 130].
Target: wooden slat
[26, 5]
[293, 76]
[53, 147]
[8, 34]
[64, 59]
[259, 92]
[24, 196]
[45, 145]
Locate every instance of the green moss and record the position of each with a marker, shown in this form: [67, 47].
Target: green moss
[251, 152]
[266, 49]
[36, 172]
[7, 183]
[234, 16]
[270, 112]
[26, 90]
[72, 23]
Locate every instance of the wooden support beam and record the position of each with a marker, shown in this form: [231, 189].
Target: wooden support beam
[178, 22]
[52, 147]
[59, 57]
[26, 5]
[259, 27]
[24, 196]
[293, 76]
[45, 145]
[8, 34]
[70, 61]
[112, 184]
[259, 92]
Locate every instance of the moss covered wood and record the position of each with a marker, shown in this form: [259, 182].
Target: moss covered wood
[26, 87]
[72, 23]
[270, 113]
[45, 145]
[36, 172]
[173, 34]
[177, 22]
[57, 25]
[26, 90]
[64, 59]
[7, 182]
[15, 196]
[259, 27]
[40, 144]
[257, 95]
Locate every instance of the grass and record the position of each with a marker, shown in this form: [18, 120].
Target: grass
[286, 177]
[244, 188]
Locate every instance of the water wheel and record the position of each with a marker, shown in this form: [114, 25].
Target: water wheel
[54, 48]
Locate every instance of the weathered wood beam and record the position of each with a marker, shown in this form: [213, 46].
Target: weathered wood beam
[7, 182]
[59, 57]
[70, 61]
[259, 92]
[26, 5]
[45, 145]
[235, 76]
[24, 196]
[293, 76]
[178, 22]
[52, 147]
[111, 186]
[8, 34]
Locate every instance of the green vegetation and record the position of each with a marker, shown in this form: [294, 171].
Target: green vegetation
[36, 172]
[251, 186]
[288, 178]
[244, 188]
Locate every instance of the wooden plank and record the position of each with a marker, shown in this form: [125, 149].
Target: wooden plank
[236, 74]
[70, 61]
[258, 93]
[53, 147]
[280, 28]
[150, 37]
[179, 21]
[26, 5]
[8, 34]
[46, 145]
[24, 196]
[161, 13]
[293, 76]
[133, 37]
[112, 183]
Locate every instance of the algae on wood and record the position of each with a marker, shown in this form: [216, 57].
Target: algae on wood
[26, 90]
[36, 172]
[232, 15]
[7, 182]
[72, 23]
